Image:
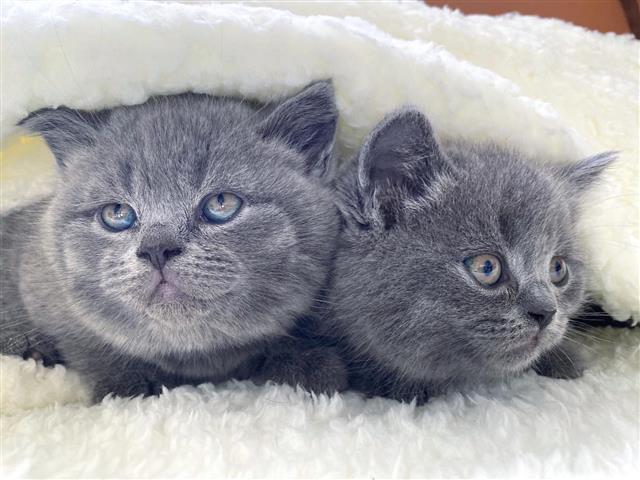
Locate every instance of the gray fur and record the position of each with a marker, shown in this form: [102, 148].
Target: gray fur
[242, 284]
[409, 317]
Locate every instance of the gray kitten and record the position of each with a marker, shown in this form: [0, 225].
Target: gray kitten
[458, 263]
[185, 237]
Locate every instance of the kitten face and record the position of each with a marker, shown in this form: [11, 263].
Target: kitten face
[180, 275]
[458, 262]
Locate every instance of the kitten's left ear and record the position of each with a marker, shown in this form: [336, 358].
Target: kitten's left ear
[587, 171]
[399, 159]
[307, 123]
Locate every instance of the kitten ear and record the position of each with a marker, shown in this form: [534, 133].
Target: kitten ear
[587, 171]
[397, 161]
[65, 129]
[307, 123]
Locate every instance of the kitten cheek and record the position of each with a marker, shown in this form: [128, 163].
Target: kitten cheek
[206, 271]
[572, 298]
[558, 326]
[269, 248]
[74, 264]
[122, 278]
[550, 338]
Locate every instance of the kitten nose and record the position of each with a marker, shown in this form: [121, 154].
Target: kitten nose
[541, 317]
[158, 254]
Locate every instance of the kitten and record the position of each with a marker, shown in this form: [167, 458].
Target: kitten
[185, 237]
[458, 262]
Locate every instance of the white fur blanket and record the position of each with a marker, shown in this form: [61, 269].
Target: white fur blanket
[552, 89]
[530, 427]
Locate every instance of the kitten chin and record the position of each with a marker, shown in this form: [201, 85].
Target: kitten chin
[184, 239]
[458, 262]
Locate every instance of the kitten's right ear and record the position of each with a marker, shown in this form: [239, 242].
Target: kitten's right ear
[65, 129]
[587, 171]
[307, 123]
[396, 162]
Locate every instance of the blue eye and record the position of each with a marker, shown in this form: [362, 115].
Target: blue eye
[558, 270]
[117, 216]
[221, 207]
[485, 268]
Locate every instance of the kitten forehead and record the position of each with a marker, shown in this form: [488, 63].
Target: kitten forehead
[179, 149]
[183, 139]
[494, 197]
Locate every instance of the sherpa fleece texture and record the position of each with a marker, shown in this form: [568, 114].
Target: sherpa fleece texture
[530, 427]
[553, 89]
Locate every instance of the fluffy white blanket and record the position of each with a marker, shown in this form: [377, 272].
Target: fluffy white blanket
[552, 89]
[531, 427]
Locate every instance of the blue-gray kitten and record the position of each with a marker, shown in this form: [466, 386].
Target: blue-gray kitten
[458, 262]
[184, 238]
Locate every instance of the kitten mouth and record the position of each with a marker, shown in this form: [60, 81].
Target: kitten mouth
[164, 283]
[163, 289]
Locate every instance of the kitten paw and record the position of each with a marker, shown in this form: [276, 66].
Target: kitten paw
[317, 370]
[48, 358]
[419, 396]
[35, 346]
[401, 393]
[129, 389]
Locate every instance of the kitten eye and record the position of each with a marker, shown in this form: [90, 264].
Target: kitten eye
[221, 207]
[485, 268]
[117, 216]
[558, 270]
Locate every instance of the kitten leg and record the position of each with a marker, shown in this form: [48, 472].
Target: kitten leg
[410, 393]
[108, 372]
[25, 341]
[18, 335]
[43, 352]
[389, 386]
[315, 368]
[402, 393]
[124, 384]
[562, 361]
